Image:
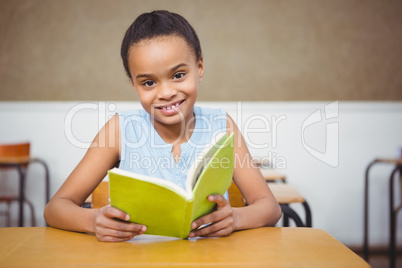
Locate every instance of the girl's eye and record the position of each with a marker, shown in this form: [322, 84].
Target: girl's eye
[178, 75]
[149, 83]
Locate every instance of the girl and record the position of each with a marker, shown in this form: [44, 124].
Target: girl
[162, 57]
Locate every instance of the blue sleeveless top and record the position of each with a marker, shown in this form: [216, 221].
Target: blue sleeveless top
[143, 151]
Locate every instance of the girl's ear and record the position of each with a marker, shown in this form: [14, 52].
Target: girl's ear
[200, 69]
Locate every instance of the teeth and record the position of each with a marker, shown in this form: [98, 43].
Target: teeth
[170, 107]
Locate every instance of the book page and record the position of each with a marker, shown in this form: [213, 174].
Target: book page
[163, 183]
[215, 178]
[202, 160]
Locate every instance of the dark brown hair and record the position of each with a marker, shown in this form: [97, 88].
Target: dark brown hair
[155, 24]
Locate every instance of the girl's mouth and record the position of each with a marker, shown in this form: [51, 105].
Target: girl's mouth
[170, 105]
[170, 108]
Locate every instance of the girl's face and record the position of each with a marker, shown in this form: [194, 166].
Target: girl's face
[166, 74]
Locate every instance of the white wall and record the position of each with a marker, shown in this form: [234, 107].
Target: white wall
[367, 130]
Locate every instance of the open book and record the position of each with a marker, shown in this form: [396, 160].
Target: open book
[167, 209]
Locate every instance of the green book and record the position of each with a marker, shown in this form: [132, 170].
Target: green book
[165, 208]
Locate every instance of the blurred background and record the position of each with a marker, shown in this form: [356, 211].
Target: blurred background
[306, 50]
[270, 64]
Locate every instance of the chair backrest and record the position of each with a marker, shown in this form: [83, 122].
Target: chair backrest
[14, 150]
[235, 197]
[100, 196]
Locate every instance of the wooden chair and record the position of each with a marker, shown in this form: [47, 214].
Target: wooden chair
[16, 156]
[235, 197]
[100, 196]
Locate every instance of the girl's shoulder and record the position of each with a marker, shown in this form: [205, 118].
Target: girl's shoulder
[207, 111]
[134, 112]
[212, 119]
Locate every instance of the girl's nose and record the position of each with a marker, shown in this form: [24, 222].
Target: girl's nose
[166, 92]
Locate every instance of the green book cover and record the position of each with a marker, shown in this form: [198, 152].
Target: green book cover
[165, 208]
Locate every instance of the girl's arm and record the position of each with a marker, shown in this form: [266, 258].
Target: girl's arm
[262, 209]
[64, 210]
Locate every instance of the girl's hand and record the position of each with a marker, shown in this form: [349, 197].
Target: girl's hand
[222, 221]
[111, 225]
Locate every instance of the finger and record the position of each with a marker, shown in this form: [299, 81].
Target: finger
[218, 215]
[222, 232]
[104, 222]
[218, 199]
[110, 223]
[118, 233]
[223, 227]
[111, 235]
[113, 239]
[210, 218]
[112, 212]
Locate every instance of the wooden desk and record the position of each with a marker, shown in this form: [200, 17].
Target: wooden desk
[262, 247]
[286, 194]
[272, 175]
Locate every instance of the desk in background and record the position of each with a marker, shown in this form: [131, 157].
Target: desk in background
[287, 194]
[262, 247]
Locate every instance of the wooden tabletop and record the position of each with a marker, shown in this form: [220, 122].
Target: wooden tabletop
[272, 174]
[262, 247]
[395, 161]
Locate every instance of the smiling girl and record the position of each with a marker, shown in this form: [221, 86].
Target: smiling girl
[162, 57]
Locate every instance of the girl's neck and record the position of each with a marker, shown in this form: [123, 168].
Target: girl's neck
[177, 133]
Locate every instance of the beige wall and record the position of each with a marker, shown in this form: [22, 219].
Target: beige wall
[253, 50]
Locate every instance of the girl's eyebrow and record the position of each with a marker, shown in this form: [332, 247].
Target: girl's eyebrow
[143, 75]
[178, 66]
[171, 70]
